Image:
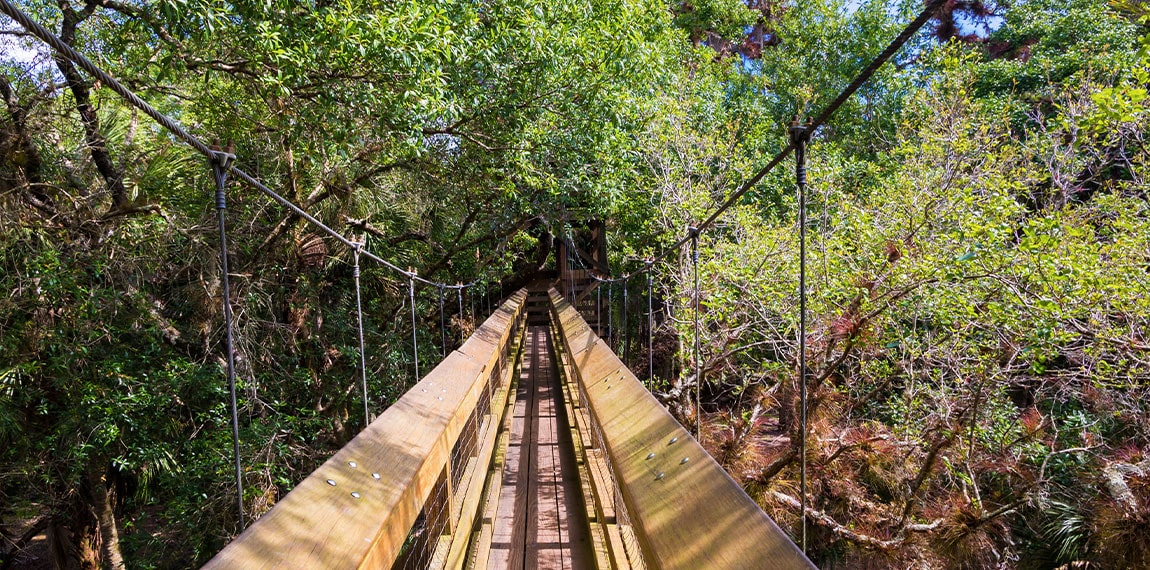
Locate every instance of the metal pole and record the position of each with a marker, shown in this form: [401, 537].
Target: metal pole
[610, 314]
[359, 323]
[414, 339]
[799, 138]
[220, 162]
[626, 328]
[442, 325]
[650, 328]
[459, 292]
[599, 310]
[698, 368]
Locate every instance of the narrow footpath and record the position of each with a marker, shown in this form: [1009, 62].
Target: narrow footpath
[540, 522]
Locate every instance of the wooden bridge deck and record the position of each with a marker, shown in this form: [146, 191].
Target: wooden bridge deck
[540, 520]
[530, 446]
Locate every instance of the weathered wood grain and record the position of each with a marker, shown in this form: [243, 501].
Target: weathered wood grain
[321, 524]
[685, 511]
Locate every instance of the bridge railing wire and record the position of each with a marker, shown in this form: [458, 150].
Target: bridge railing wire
[67, 51]
[819, 120]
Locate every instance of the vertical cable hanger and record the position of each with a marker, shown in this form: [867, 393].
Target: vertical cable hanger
[359, 325]
[599, 310]
[221, 161]
[414, 338]
[693, 232]
[459, 293]
[650, 328]
[626, 328]
[800, 136]
[442, 325]
[610, 314]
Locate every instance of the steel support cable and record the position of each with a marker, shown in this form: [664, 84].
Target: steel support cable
[650, 330]
[67, 51]
[219, 164]
[626, 328]
[359, 325]
[610, 312]
[53, 41]
[799, 136]
[693, 234]
[414, 338]
[442, 325]
[459, 292]
[909, 31]
[599, 309]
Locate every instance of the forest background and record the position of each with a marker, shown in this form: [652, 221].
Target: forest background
[979, 258]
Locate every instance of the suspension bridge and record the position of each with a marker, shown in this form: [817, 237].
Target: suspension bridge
[532, 445]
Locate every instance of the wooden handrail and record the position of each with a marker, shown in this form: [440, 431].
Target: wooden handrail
[684, 510]
[358, 508]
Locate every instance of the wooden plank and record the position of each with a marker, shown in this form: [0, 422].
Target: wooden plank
[573, 521]
[597, 529]
[475, 482]
[662, 472]
[320, 524]
[546, 550]
[506, 549]
[495, 478]
[531, 510]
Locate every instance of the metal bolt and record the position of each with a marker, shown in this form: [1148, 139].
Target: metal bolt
[352, 464]
[673, 440]
[684, 461]
[355, 494]
[660, 476]
[650, 456]
[331, 482]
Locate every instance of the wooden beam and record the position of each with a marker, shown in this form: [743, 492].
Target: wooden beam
[684, 509]
[356, 510]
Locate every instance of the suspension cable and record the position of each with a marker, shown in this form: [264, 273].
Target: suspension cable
[459, 292]
[693, 233]
[800, 134]
[650, 330]
[359, 325]
[611, 313]
[891, 49]
[442, 325]
[414, 338]
[219, 164]
[67, 51]
[626, 328]
[599, 309]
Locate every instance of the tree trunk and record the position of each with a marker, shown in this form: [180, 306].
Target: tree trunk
[97, 144]
[106, 523]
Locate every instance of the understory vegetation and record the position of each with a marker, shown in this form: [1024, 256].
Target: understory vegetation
[978, 254]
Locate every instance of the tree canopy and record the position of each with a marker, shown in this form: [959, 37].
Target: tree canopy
[979, 249]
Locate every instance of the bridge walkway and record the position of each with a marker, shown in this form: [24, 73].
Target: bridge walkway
[530, 446]
[540, 519]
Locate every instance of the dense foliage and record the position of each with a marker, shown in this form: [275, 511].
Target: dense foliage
[979, 253]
